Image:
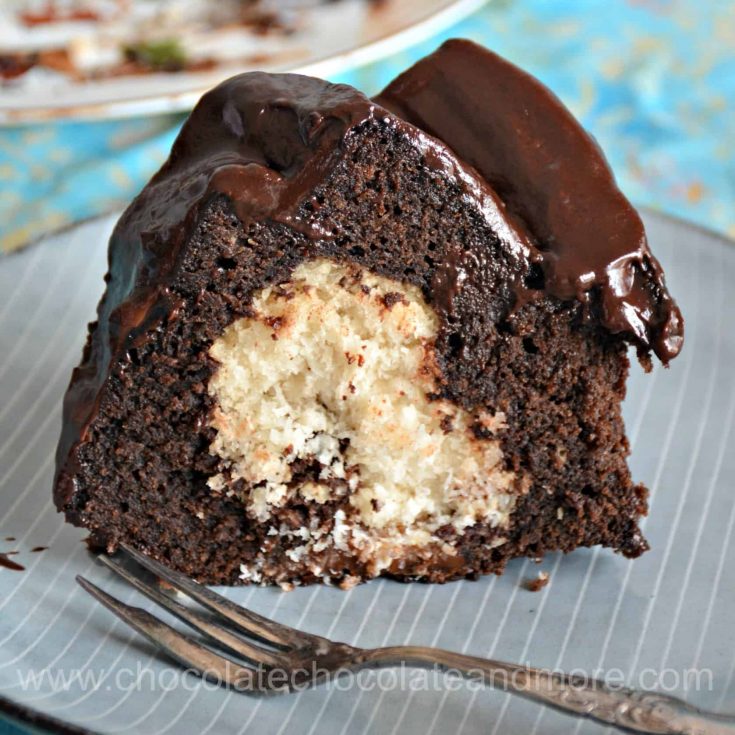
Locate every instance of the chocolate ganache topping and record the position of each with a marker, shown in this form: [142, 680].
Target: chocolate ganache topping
[267, 141]
[553, 177]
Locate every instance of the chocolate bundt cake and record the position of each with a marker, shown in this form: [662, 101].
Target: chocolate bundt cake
[344, 338]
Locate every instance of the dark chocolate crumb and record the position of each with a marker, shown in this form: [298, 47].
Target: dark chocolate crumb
[392, 298]
[8, 563]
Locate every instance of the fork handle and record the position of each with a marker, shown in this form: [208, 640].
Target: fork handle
[630, 709]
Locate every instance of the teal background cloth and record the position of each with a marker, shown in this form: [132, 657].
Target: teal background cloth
[653, 80]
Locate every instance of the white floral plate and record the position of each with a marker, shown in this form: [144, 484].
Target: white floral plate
[664, 620]
[331, 38]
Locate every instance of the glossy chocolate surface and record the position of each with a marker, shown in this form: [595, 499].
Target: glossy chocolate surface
[553, 177]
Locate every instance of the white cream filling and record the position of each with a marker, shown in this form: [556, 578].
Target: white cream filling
[336, 365]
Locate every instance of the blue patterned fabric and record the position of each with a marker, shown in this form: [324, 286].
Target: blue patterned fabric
[8, 728]
[653, 80]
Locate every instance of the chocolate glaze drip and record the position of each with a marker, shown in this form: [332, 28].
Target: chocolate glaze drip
[267, 141]
[553, 177]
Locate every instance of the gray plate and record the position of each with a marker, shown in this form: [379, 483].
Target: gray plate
[664, 620]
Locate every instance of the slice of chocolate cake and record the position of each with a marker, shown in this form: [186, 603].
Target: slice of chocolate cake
[344, 338]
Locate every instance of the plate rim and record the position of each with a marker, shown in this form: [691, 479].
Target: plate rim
[680, 221]
[16, 712]
[451, 12]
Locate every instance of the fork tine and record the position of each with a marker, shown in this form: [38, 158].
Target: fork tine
[255, 654]
[187, 652]
[247, 621]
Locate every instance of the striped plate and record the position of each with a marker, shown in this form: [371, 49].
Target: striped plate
[665, 620]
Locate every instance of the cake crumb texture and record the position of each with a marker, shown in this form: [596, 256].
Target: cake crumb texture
[537, 583]
[336, 368]
[536, 378]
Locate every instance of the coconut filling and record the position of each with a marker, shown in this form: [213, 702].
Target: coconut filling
[336, 367]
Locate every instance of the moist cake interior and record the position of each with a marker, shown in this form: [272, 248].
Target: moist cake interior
[328, 351]
[324, 394]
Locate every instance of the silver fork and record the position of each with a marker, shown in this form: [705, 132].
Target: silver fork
[281, 659]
